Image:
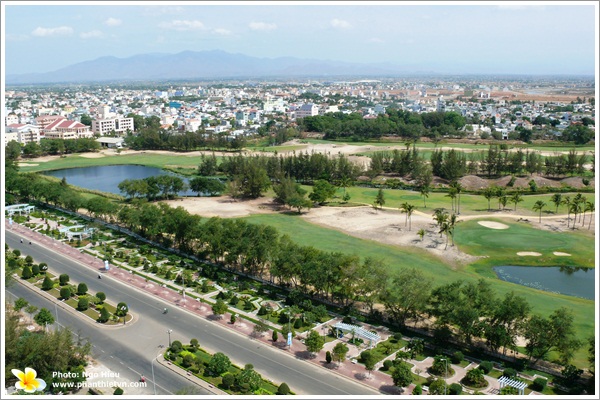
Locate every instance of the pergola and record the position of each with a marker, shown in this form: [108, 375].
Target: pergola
[505, 381]
[358, 331]
[85, 232]
[18, 208]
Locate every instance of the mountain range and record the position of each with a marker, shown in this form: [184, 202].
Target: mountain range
[205, 65]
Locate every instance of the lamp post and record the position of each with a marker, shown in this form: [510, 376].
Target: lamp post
[169, 332]
[446, 376]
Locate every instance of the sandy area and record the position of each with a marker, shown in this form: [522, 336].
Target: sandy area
[224, 206]
[92, 155]
[559, 253]
[529, 253]
[493, 225]
[27, 164]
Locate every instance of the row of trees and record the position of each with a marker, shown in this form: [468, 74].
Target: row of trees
[153, 187]
[153, 138]
[51, 147]
[394, 123]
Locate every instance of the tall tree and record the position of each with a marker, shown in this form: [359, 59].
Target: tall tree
[539, 206]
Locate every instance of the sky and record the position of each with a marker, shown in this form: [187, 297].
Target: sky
[502, 38]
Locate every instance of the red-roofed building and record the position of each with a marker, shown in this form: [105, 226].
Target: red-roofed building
[65, 129]
[22, 133]
[44, 120]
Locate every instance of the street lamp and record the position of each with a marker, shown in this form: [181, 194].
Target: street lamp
[446, 376]
[169, 332]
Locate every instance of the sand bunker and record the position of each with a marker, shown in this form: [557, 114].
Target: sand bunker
[493, 225]
[91, 155]
[558, 253]
[529, 253]
[27, 164]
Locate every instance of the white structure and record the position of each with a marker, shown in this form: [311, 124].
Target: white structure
[118, 125]
[111, 142]
[22, 133]
[19, 208]
[441, 104]
[11, 119]
[373, 338]
[64, 129]
[505, 381]
[307, 110]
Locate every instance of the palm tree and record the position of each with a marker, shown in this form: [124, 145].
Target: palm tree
[578, 200]
[445, 229]
[500, 192]
[583, 208]
[452, 223]
[345, 182]
[421, 233]
[425, 193]
[567, 201]
[575, 209]
[459, 189]
[557, 200]
[538, 206]
[589, 206]
[441, 217]
[452, 194]
[516, 198]
[403, 208]
[409, 210]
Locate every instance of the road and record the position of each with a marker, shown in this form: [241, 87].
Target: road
[149, 331]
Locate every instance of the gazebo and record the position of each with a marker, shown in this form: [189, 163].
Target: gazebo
[19, 208]
[358, 331]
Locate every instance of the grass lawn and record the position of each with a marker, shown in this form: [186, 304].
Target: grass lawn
[174, 161]
[475, 239]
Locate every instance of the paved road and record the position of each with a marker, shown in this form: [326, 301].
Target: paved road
[121, 359]
[144, 335]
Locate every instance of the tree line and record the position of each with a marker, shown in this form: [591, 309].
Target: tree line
[51, 147]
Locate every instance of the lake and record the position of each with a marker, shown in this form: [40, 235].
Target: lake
[107, 178]
[571, 281]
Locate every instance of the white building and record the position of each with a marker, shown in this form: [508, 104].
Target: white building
[65, 129]
[22, 133]
[307, 110]
[118, 125]
[11, 119]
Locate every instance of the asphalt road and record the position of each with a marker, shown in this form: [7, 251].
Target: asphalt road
[142, 337]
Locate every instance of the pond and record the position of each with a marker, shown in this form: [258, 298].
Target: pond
[107, 178]
[570, 281]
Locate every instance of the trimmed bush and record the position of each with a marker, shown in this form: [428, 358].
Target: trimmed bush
[486, 366]
[118, 391]
[104, 315]
[328, 358]
[509, 373]
[539, 384]
[29, 260]
[227, 380]
[47, 284]
[101, 296]
[455, 389]
[35, 269]
[43, 267]
[418, 390]
[387, 364]
[176, 346]
[63, 279]
[457, 357]
[65, 293]
[283, 389]
[26, 274]
[82, 289]
[83, 304]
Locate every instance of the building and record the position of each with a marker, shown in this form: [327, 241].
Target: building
[307, 110]
[118, 125]
[44, 120]
[22, 133]
[111, 143]
[11, 119]
[64, 129]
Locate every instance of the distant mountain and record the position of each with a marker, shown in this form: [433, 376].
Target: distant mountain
[203, 65]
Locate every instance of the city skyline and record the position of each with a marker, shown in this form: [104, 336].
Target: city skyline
[503, 38]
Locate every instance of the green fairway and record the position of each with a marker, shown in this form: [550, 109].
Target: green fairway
[543, 303]
[470, 204]
[170, 161]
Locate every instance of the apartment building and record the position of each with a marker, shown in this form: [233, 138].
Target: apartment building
[22, 133]
[44, 120]
[307, 110]
[118, 125]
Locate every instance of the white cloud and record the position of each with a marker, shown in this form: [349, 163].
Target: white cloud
[153, 11]
[376, 40]
[15, 37]
[91, 34]
[262, 26]
[222, 31]
[519, 7]
[182, 25]
[340, 23]
[113, 22]
[59, 31]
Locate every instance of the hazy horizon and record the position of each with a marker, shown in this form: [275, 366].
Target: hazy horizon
[502, 39]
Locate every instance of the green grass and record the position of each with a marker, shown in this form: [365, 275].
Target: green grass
[471, 238]
[174, 161]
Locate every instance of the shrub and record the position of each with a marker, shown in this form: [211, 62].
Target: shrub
[365, 355]
[398, 336]
[194, 343]
[275, 336]
[104, 315]
[83, 304]
[328, 357]
[82, 289]
[418, 390]
[29, 260]
[539, 384]
[509, 391]
[43, 267]
[63, 279]
[26, 274]
[35, 269]
[486, 366]
[21, 303]
[298, 324]
[228, 380]
[475, 378]
[65, 293]
[457, 357]
[509, 373]
[47, 284]
[118, 391]
[101, 296]
[455, 389]
[262, 310]
[188, 360]
[283, 389]
[176, 346]
[17, 252]
[387, 364]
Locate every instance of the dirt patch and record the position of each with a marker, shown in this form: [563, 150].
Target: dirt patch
[389, 227]
[493, 225]
[224, 206]
[576, 182]
[560, 253]
[529, 253]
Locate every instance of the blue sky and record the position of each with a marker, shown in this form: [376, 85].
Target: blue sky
[509, 38]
